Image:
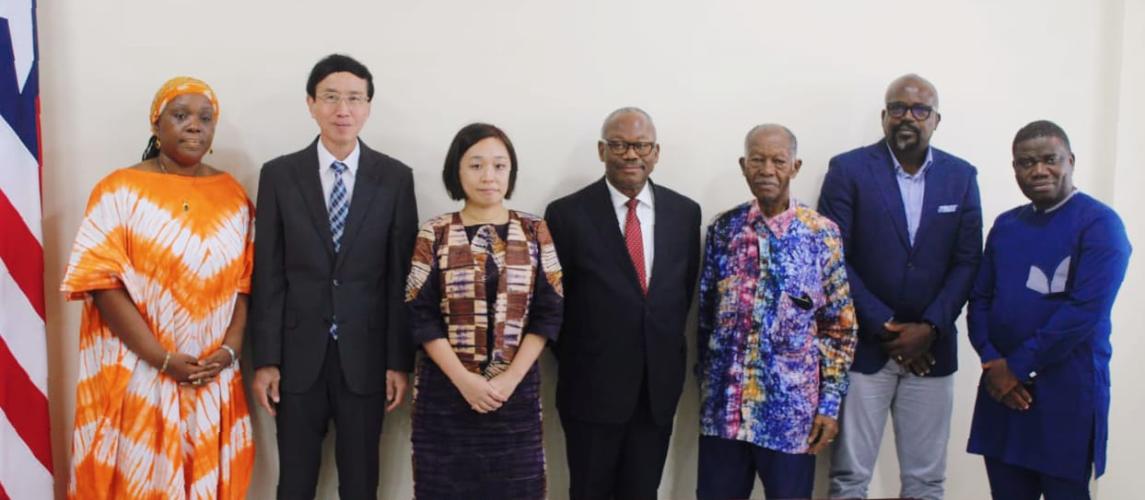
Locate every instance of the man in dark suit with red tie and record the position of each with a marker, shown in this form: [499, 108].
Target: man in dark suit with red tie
[630, 252]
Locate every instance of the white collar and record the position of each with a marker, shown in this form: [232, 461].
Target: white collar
[326, 158]
[620, 199]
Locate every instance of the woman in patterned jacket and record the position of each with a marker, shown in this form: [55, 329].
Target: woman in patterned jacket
[484, 295]
[162, 262]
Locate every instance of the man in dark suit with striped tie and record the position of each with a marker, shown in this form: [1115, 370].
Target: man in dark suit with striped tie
[630, 251]
[336, 223]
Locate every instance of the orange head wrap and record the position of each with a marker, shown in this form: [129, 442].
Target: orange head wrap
[178, 86]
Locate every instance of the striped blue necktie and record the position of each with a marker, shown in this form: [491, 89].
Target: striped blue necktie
[339, 205]
[338, 209]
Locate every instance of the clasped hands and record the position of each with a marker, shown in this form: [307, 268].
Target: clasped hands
[909, 345]
[487, 395]
[1004, 387]
[187, 370]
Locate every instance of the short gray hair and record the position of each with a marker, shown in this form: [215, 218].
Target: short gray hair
[772, 127]
[625, 110]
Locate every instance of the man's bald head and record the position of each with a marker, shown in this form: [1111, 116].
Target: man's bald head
[909, 118]
[911, 83]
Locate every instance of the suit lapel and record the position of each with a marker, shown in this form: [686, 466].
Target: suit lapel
[603, 214]
[660, 237]
[367, 184]
[881, 169]
[308, 182]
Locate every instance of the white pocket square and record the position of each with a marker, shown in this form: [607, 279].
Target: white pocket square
[947, 209]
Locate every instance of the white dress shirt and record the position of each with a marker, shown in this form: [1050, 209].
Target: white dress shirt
[645, 213]
[326, 160]
[912, 188]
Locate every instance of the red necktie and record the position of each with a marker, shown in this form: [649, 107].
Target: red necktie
[634, 239]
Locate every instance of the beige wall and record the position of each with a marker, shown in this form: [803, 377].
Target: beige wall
[549, 71]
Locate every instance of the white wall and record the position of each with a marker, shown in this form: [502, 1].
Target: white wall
[548, 72]
[1127, 406]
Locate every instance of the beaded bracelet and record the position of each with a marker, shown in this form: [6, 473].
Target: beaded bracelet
[166, 360]
[234, 357]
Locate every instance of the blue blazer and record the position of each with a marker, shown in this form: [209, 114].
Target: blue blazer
[890, 278]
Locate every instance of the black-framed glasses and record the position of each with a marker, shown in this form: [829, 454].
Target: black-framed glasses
[918, 111]
[621, 147]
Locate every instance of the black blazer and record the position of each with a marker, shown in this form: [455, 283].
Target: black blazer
[300, 284]
[613, 336]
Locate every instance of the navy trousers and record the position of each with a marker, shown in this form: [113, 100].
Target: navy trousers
[1011, 482]
[727, 470]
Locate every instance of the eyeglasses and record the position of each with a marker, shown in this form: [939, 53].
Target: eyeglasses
[1031, 161]
[918, 111]
[352, 100]
[621, 147]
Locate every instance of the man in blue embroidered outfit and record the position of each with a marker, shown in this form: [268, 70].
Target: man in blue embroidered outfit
[911, 222]
[776, 332]
[1039, 319]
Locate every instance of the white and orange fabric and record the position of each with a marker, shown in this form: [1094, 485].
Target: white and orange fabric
[182, 248]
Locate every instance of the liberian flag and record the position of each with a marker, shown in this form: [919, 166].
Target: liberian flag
[25, 442]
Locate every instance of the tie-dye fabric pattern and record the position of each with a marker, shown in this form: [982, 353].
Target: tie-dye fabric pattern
[181, 248]
[776, 326]
[178, 86]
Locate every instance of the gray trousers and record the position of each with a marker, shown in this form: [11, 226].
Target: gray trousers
[920, 408]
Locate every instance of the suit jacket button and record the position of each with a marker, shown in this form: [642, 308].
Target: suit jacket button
[337, 283]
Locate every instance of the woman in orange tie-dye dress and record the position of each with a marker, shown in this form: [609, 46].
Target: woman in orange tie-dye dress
[162, 262]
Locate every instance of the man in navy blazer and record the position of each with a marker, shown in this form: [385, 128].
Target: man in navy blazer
[911, 222]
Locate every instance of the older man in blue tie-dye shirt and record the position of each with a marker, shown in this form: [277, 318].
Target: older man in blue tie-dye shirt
[776, 332]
